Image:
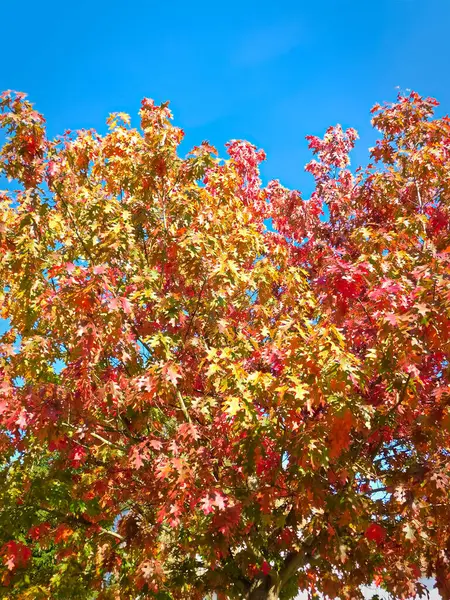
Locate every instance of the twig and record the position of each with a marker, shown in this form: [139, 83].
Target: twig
[113, 533]
[183, 407]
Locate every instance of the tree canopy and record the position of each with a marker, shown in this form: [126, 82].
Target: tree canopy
[194, 402]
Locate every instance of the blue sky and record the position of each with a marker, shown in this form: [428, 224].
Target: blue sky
[269, 72]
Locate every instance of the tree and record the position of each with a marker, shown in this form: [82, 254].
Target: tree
[191, 402]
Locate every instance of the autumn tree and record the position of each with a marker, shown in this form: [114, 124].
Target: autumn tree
[193, 403]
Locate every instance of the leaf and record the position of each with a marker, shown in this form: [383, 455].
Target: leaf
[376, 533]
[99, 270]
[15, 554]
[126, 306]
[137, 456]
[22, 419]
[171, 373]
[207, 505]
[340, 433]
[219, 501]
[155, 444]
[409, 532]
[233, 406]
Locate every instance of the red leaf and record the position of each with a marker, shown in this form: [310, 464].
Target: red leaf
[171, 372]
[219, 501]
[38, 531]
[22, 419]
[99, 269]
[207, 505]
[375, 533]
[114, 304]
[137, 456]
[77, 455]
[15, 554]
[62, 533]
[155, 444]
[340, 433]
[126, 306]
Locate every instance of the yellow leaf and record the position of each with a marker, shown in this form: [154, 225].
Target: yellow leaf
[233, 406]
[213, 368]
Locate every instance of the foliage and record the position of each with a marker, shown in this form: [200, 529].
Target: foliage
[191, 403]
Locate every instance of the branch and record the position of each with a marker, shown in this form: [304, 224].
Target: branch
[105, 441]
[89, 255]
[291, 564]
[191, 320]
[419, 197]
[136, 333]
[402, 395]
[113, 533]
[367, 314]
[75, 228]
[183, 407]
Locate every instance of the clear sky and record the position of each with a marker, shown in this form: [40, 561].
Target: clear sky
[269, 72]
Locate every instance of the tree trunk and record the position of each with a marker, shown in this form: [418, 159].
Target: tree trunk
[263, 589]
[263, 594]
